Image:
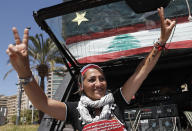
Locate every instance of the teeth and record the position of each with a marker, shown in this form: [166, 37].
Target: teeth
[98, 89]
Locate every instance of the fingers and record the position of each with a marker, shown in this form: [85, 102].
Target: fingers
[161, 15]
[16, 35]
[8, 52]
[173, 23]
[165, 23]
[11, 50]
[168, 21]
[26, 36]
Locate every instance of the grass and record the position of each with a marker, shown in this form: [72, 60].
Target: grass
[19, 128]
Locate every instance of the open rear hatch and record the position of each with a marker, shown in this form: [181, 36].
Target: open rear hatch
[117, 35]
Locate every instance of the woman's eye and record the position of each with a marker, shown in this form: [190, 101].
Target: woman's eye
[102, 79]
[91, 80]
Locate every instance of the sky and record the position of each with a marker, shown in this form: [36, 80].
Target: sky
[19, 14]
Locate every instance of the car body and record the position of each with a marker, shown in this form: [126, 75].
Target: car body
[117, 35]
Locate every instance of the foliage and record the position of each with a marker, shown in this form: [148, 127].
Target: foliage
[13, 119]
[26, 116]
[41, 52]
[19, 128]
[43, 55]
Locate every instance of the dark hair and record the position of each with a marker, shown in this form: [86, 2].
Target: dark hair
[81, 78]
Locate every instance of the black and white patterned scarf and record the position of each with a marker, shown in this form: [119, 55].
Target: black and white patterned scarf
[107, 102]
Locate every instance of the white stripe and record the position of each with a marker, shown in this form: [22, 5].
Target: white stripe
[146, 38]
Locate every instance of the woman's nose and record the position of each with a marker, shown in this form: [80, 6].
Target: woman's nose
[97, 83]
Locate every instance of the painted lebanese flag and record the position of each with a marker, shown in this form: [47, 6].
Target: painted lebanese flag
[128, 44]
[114, 31]
[104, 125]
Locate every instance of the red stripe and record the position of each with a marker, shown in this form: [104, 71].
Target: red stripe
[115, 55]
[89, 67]
[118, 31]
[104, 125]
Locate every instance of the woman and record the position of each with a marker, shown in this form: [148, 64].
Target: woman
[97, 108]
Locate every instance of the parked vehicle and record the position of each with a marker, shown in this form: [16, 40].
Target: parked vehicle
[117, 35]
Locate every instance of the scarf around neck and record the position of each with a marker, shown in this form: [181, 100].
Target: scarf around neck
[107, 102]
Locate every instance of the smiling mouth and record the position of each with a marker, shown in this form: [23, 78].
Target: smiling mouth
[98, 90]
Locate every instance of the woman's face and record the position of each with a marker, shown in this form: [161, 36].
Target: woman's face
[94, 84]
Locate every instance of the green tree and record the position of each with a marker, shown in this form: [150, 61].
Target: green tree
[13, 119]
[27, 115]
[43, 56]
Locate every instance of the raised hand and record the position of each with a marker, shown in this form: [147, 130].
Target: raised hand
[166, 26]
[18, 54]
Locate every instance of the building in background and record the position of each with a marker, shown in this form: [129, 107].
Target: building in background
[3, 109]
[54, 80]
[3, 101]
[11, 107]
[25, 102]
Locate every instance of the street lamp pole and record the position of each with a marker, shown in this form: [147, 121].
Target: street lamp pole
[32, 114]
[19, 104]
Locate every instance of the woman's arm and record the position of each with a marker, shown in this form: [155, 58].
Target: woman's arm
[131, 86]
[49, 106]
[18, 55]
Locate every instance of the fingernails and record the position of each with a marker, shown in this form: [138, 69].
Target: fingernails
[28, 27]
[14, 28]
[10, 45]
[7, 51]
